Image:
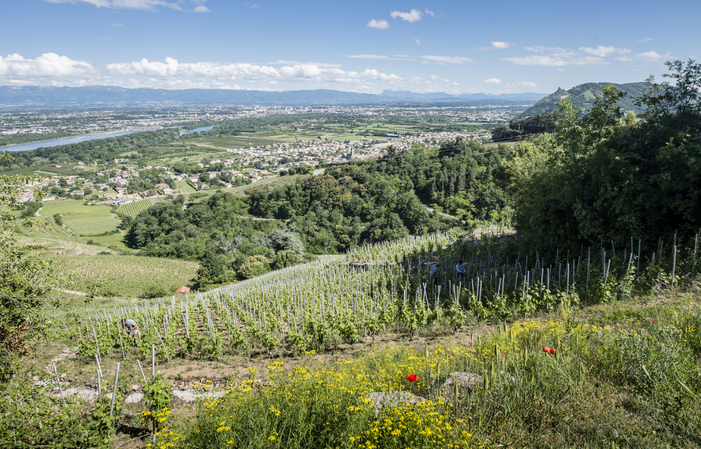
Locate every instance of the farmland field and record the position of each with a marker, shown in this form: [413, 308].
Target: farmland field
[79, 218]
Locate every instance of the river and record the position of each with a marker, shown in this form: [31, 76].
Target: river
[75, 139]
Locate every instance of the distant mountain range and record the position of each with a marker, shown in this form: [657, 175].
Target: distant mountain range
[36, 96]
[583, 97]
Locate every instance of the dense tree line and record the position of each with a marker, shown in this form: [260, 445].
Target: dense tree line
[372, 201]
[517, 129]
[606, 176]
[215, 233]
[102, 150]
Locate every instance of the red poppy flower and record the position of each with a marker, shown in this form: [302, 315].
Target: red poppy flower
[552, 351]
[654, 321]
[546, 349]
[452, 354]
[412, 377]
[503, 355]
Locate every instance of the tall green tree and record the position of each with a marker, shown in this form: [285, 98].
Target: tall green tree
[612, 177]
[22, 275]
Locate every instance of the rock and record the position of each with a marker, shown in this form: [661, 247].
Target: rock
[85, 393]
[134, 388]
[464, 381]
[134, 398]
[384, 398]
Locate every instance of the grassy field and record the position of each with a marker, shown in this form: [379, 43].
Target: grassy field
[129, 276]
[79, 218]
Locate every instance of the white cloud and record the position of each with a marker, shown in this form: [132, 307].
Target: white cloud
[379, 24]
[647, 39]
[559, 57]
[602, 51]
[150, 5]
[498, 45]
[418, 42]
[51, 69]
[501, 45]
[16, 69]
[493, 81]
[117, 25]
[653, 56]
[411, 16]
[522, 86]
[446, 59]
[172, 69]
[555, 57]
[429, 12]
[201, 8]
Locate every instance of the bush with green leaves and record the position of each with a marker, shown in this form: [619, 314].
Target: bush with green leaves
[254, 266]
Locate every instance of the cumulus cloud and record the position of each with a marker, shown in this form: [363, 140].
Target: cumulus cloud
[16, 69]
[446, 59]
[201, 8]
[51, 69]
[149, 5]
[493, 81]
[379, 24]
[411, 16]
[172, 69]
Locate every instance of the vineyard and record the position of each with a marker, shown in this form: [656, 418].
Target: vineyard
[130, 276]
[554, 368]
[378, 289]
[133, 209]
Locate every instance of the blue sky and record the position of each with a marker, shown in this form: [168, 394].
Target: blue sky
[362, 46]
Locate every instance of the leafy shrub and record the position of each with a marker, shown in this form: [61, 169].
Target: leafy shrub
[254, 266]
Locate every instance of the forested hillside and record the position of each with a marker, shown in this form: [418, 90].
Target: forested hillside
[584, 95]
[364, 202]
